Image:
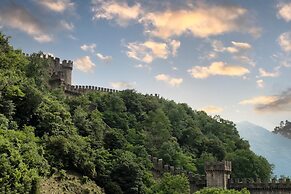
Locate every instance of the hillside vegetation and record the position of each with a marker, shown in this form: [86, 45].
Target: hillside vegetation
[283, 129]
[105, 137]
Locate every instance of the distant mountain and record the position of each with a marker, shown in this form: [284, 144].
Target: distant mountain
[274, 147]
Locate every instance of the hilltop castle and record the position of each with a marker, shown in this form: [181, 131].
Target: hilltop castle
[216, 174]
[61, 76]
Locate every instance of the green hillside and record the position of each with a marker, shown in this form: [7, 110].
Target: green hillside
[105, 137]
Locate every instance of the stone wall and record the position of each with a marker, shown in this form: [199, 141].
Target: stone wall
[218, 175]
[78, 89]
[281, 186]
[196, 181]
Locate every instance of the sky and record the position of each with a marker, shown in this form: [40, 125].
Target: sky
[227, 57]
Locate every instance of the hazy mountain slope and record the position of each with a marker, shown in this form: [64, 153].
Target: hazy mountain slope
[276, 148]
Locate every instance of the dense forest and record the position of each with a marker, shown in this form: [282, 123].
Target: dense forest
[105, 137]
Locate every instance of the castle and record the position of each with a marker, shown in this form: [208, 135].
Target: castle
[216, 174]
[61, 76]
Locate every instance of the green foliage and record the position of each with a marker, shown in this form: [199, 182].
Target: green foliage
[254, 166]
[221, 191]
[21, 160]
[172, 184]
[106, 137]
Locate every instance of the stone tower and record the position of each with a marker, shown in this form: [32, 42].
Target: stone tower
[218, 174]
[67, 67]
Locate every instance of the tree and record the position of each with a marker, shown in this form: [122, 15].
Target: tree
[246, 164]
[21, 160]
[172, 184]
[221, 191]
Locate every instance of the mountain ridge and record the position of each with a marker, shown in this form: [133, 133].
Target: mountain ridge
[272, 146]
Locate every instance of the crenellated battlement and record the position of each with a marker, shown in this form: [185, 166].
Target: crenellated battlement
[160, 167]
[257, 185]
[218, 166]
[80, 89]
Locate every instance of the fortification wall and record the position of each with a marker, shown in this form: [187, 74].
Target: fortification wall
[274, 186]
[79, 89]
[196, 181]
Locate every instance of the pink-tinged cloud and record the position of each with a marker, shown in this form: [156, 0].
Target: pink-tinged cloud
[84, 64]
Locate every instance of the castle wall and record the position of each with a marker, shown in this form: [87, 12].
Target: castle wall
[218, 174]
[196, 181]
[281, 186]
[78, 89]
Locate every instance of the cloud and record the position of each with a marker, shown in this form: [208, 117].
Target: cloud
[147, 51]
[57, 5]
[284, 41]
[175, 44]
[281, 102]
[260, 83]
[235, 48]
[72, 37]
[212, 109]
[104, 58]
[217, 68]
[88, 47]
[17, 17]
[143, 66]
[241, 45]
[121, 12]
[67, 25]
[122, 85]
[284, 11]
[264, 73]
[201, 20]
[84, 64]
[245, 59]
[259, 100]
[169, 80]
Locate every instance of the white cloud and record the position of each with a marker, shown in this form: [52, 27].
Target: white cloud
[175, 68]
[260, 83]
[264, 73]
[259, 100]
[217, 68]
[201, 20]
[175, 45]
[104, 58]
[84, 64]
[284, 41]
[19, 18]
[67, 25]
[241, 45]
[235, 48]
[57, 5]
[143, 66]
[147, 51]
[122, 85]
[284, 11]
[169, 80]
[212, 109]
[211, 55]
[88, 47]
[121, 12]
